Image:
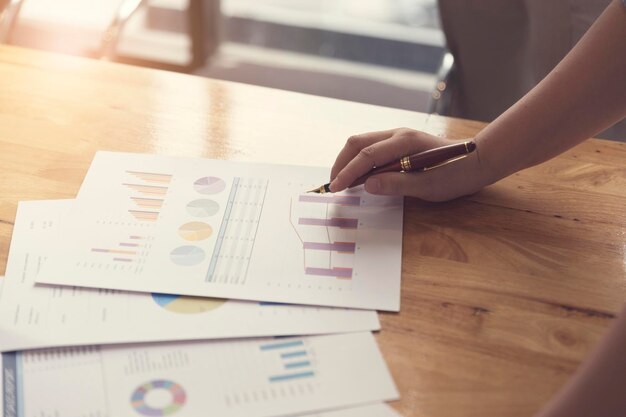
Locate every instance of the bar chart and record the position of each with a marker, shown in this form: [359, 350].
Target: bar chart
[293, 358]
[326, 226]
[130, 251]
[341, 200]
[148, 194]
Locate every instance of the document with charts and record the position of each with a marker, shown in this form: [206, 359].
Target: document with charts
[46, 316]
[226, 229]
[240, 378]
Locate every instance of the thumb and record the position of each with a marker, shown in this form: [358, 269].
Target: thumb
[391, 183]
[419, 185]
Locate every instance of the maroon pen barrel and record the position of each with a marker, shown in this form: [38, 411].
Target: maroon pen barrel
[437, 156]
[422, 161]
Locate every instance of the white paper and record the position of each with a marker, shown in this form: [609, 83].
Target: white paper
[233, 230]
[47, 316]
[374, 410]
[242, 378]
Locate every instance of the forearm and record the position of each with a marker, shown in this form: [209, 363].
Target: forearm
[583, 95]
[598, 387]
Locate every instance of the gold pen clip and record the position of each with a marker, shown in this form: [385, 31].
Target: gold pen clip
[446, 162]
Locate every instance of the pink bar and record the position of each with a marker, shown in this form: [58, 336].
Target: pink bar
[119, 251]
[343, 223]
[328, 272]
[344, 200]
[335, 246]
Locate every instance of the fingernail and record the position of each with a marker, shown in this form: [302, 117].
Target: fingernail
[372, 185]
[332, 186]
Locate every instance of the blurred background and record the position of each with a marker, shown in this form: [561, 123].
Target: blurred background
[383, 52]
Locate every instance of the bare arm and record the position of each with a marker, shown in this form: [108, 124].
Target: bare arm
[582, 96]
[599, 386]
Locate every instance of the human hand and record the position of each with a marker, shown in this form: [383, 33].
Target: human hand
[363, 152]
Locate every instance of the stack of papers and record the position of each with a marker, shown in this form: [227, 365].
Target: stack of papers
[185, 287]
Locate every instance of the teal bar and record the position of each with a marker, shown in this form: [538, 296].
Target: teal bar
[293, 354]
[297, 364]
[288, 377]
[282, 345]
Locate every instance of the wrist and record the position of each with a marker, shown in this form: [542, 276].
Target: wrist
[485, 172]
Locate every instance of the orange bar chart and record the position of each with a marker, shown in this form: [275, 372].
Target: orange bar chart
[152, 177]
[151, 216]
[148, 194]
[150, 190]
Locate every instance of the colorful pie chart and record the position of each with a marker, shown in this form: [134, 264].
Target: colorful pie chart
[175, 398]
[203, 208]
[195, 231]
[209, 185]
[187, 255]
[184, 304]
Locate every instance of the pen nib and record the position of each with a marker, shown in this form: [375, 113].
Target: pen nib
[321, 190]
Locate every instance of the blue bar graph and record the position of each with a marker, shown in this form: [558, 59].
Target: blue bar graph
[287, 377]
[292, 356]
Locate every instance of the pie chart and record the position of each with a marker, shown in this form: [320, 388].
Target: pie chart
[187, 255]
[195, 231]
[172, 396]
[203, 208]
[209, 185]
[184, 304]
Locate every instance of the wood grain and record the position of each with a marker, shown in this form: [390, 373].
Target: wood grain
[504, 292]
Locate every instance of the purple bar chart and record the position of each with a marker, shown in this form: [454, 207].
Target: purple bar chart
[342, 223]
[327, 227]
[345, 247]
[343, 200]
[337, 272]
[124, 252]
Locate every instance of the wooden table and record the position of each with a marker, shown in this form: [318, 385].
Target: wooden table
[504, 292]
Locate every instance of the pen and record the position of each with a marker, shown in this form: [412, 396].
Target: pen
[419, 162]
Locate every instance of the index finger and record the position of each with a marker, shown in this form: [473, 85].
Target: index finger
[354, 145]
[376, 154]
